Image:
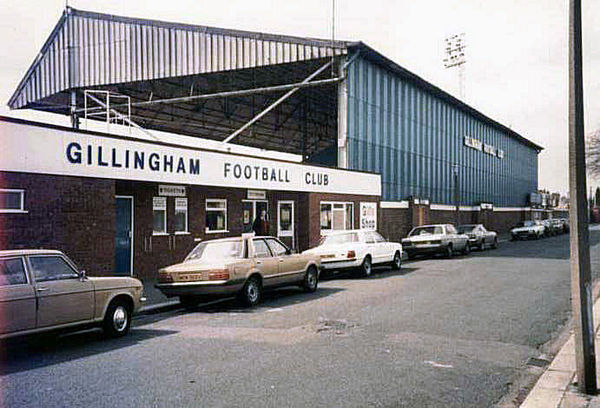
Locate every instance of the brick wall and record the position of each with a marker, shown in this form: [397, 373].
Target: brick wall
[395, 223]
[71, 214]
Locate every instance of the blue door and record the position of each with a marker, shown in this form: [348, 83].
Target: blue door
[124, 236]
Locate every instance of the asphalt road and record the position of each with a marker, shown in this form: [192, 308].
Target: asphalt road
[439, 333]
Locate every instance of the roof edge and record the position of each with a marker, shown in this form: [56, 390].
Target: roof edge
[381, 59]
[213, 30]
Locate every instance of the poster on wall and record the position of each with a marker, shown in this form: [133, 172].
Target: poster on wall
[368, 216]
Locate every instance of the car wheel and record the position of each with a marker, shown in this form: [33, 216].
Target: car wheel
[117, 320]
[251, 293]
[495, 243]
[397, 261]
[366, 268]
[311, 280]
[189, 302]
[449, 252]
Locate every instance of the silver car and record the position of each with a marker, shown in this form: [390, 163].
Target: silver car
[479, 236]
[435, 239]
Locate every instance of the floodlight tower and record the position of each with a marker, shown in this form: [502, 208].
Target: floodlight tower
[455, 57]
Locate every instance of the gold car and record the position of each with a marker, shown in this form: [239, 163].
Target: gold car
[243, 265]
[42, 290]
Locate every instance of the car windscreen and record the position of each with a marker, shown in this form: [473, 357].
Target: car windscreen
[524, 224]
[426, 231]
[216, 250]
[336, 239]
[464, 229]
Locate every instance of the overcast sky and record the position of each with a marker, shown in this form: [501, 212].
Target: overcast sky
[516, 69]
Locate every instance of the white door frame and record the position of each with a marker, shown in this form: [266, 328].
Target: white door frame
[132, 229]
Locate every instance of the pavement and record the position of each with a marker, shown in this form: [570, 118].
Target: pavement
[557, 387]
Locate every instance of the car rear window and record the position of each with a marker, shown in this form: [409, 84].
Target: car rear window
[339, 239]
[216, 250]
[426, 231]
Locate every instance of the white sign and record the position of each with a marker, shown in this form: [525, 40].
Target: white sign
[159, 203]
[171, 191]
[473, 143]
[483, 147]
[368, 216]
[180, 204]
[257, 195]
[38, 149]
[487, 206]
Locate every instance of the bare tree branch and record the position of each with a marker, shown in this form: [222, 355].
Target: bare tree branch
[593, 153]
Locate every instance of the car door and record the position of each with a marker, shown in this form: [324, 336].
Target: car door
[62, 296]
[17, 297]
[290, 266]
[381, 248]
[265, 262]
[459, 241]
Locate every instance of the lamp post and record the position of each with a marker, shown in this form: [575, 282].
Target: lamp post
[456, 195]
[581, 277]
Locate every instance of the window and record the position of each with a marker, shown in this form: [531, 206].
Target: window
[337, 216]
[261, 250]
[12, 201]
[451, 230]
[277, 247]
[285, 220]
[181, 214]
[377, 237]
[216, 215]
[49, 268]
[12, 272]
[159, 209]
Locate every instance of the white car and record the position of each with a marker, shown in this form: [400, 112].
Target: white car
[352, 249]
[435, 239]
[528, 229]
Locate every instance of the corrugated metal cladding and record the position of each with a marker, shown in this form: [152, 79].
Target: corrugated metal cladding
[414, 139]
[90, 49]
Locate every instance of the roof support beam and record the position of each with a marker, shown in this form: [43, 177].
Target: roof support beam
[278, 101]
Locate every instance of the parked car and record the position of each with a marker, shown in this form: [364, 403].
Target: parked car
[435, 239]
[479, 236]
[244, 266]
[528, 229]
[43, 290]
[357, 249]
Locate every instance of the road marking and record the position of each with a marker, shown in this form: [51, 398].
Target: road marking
[438, 365]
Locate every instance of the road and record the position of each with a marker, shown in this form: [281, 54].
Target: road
[439, 333]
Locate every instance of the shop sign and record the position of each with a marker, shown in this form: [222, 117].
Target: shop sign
[37, 149]
[171, 191]
[180, 204]
[159, 203]
[368, 216]
[257, 195]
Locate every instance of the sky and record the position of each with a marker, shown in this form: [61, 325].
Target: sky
[516, 70]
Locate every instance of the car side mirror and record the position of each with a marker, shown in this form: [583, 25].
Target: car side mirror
[82, 275]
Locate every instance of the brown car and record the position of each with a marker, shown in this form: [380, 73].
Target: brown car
[43, 290]
[242, 265]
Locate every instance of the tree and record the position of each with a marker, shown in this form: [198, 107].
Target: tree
[597, 197]
[593, 153]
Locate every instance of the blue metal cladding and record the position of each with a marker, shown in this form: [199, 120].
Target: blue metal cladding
[414, 139]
